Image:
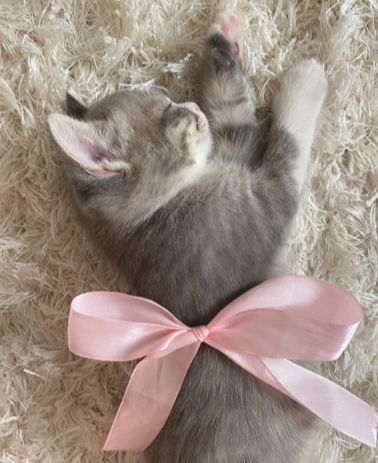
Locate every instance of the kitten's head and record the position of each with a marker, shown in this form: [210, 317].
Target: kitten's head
[136, 145]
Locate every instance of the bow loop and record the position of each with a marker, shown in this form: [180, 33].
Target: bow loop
[308, 319]
[101, 326]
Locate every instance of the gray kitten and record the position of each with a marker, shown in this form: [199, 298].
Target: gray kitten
[193, 208]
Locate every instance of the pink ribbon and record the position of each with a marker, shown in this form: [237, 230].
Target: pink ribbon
[288, 317]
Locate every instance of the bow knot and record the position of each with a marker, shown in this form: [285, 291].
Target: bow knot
[200, 332]
[285, 318]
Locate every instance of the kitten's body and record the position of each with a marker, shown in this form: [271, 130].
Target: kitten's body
[198, 233]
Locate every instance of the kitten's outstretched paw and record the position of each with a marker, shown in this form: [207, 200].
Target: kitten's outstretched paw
[304, 86]
[296, 107]
[233, 30]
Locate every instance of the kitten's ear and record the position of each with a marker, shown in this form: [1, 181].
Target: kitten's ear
[83, 143]
[74, 108]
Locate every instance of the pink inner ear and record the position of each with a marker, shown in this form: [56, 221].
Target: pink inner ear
[79, 140]
[83, 151]
[88, 155]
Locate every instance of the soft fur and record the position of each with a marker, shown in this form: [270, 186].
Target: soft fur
[52, 406]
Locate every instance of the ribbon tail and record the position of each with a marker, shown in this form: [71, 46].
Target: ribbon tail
[148, 400]
[329, 401]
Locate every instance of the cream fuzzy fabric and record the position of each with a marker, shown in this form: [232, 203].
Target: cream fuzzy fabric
[55, 406]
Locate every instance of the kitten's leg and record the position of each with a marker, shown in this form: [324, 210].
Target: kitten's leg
[296, 108]
[280, 170]
[225, 97]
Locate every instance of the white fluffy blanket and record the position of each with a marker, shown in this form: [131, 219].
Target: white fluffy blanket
[55, 406]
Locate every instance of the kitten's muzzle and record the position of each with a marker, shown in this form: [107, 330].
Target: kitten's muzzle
[201, 119]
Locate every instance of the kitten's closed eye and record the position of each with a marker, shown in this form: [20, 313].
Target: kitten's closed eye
[168, 107]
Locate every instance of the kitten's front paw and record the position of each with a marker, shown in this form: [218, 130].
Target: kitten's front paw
[303, 89]
[233, 30]
[296, 108]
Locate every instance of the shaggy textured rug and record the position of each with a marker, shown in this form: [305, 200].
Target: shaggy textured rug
[55, 406]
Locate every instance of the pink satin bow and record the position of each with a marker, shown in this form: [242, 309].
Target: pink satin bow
[288, 317]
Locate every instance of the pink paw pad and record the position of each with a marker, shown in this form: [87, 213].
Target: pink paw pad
[233, 29]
